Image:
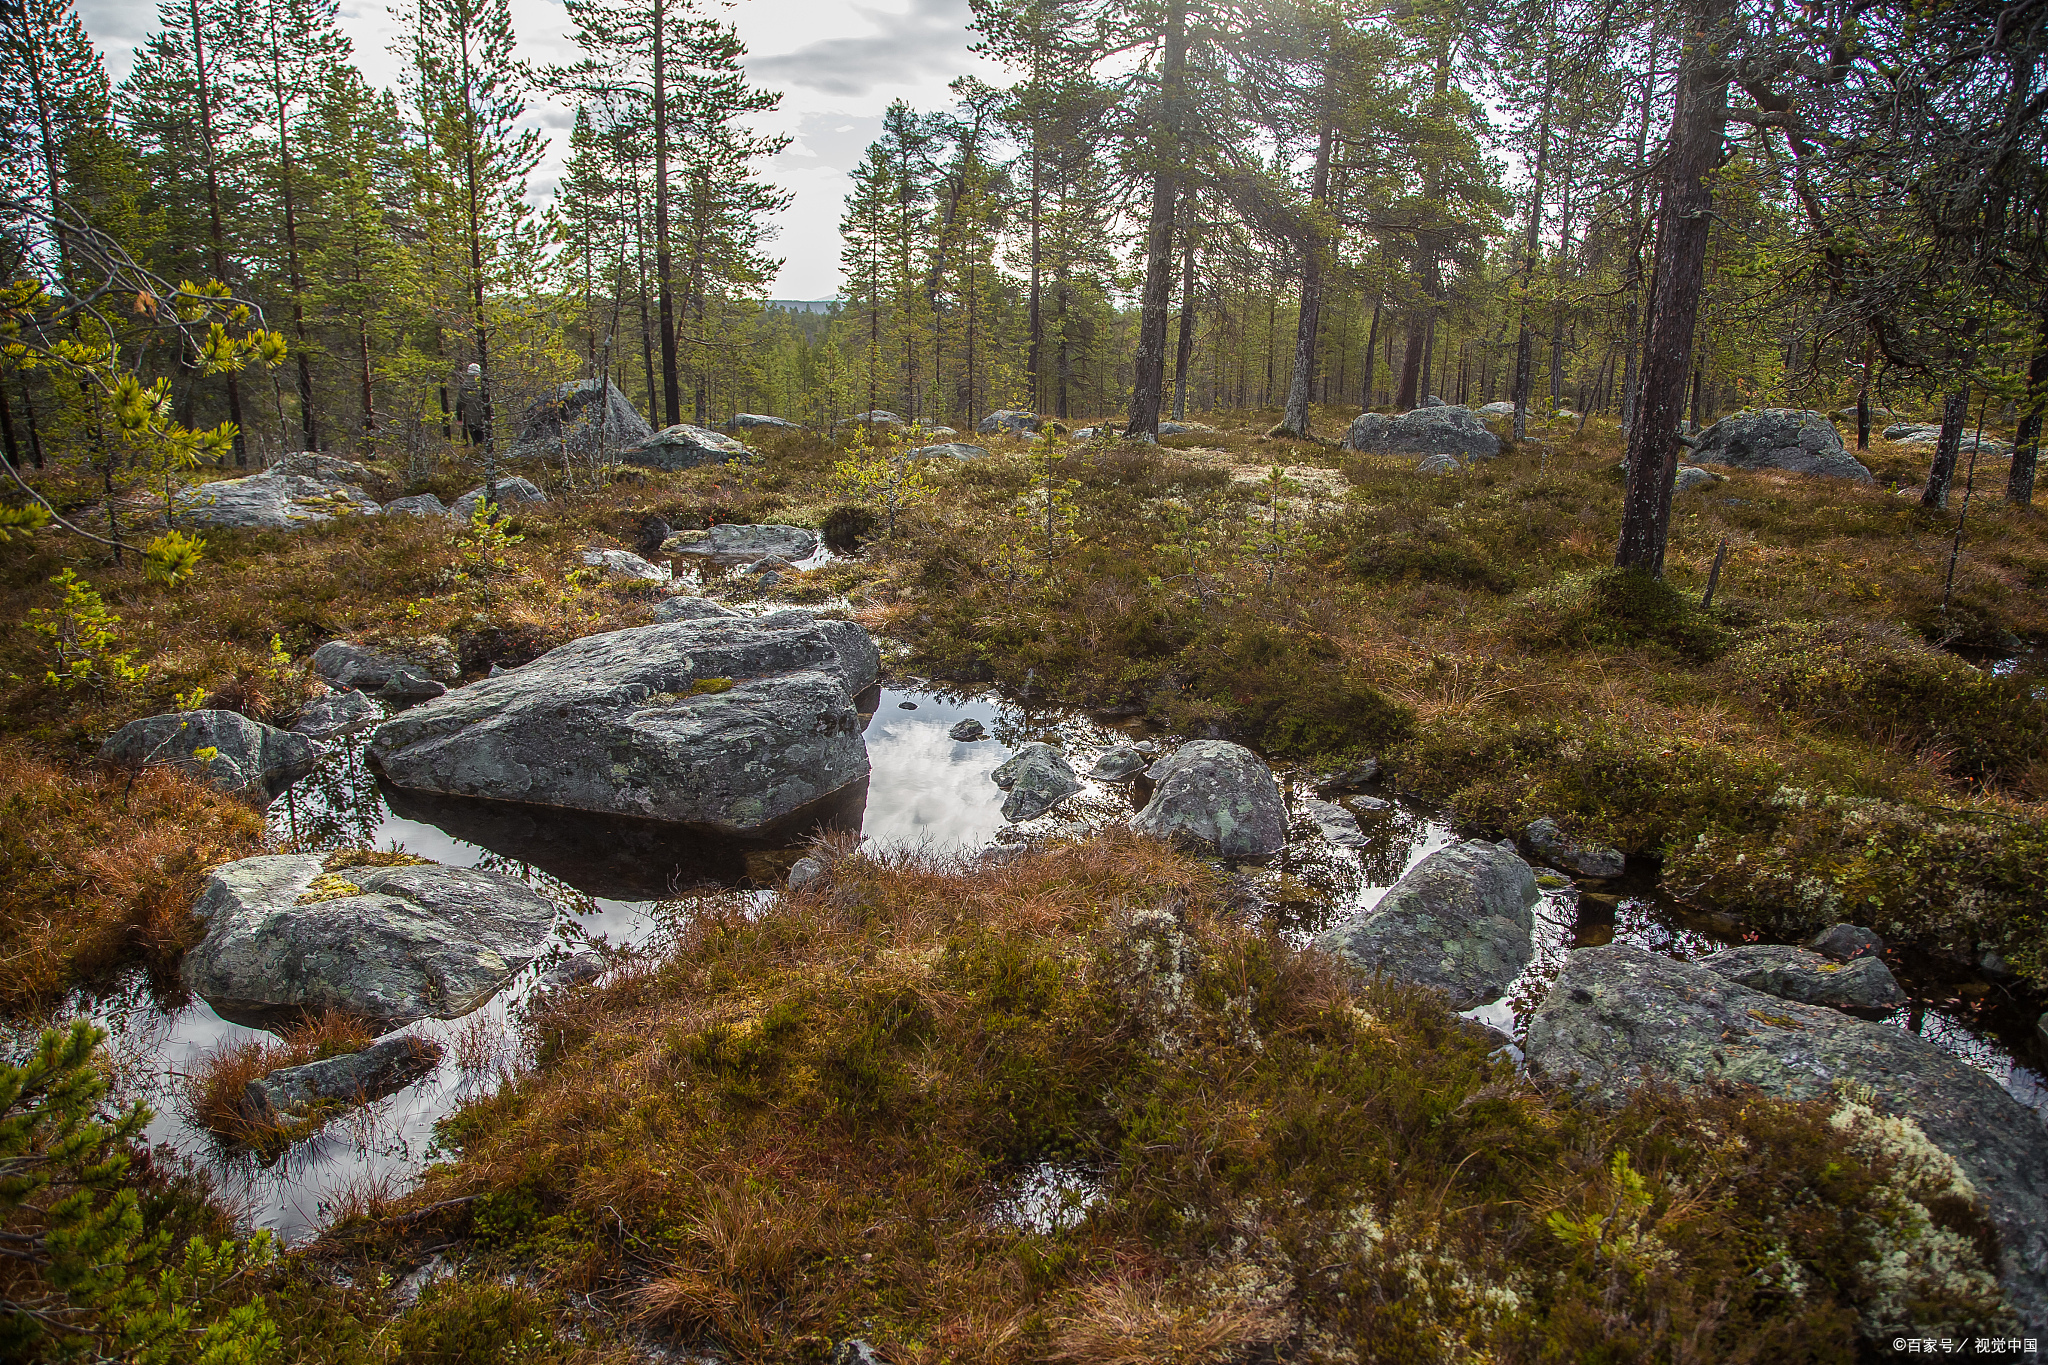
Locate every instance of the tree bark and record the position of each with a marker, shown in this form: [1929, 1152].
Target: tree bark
[1184, 345]
[308, 421]
[1295, 420]
[2026, 441]
[1525, 368]
[1368, 387]
[1633, 283]
[1699, 116]
[1150, 377]
[216, 235]
[671, 381]
[1955, 411]
[1863, 393]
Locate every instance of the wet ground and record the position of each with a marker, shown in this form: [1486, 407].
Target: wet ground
[625, 886]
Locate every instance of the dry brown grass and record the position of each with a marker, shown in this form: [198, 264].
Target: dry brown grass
[100, 868]
[1137, 1322]
[214, 1094]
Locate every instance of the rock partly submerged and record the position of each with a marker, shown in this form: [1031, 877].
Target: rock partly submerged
[729, 725]
[337, 714]
[1462, 921]
[224, 749]
[1553, 846]
[1219, 797]
[378, 1070]
[1619, 1014]
[1037, 778]
[347, 663]
[1862, 986]
[388, 945]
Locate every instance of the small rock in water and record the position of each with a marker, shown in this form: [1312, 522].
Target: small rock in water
[1847, 942]
[1219, 796]
[336, 714]
[1462, 920]
[1037, 777]
[575, 969]
[406, 688]
[1115, 765]
[803, 872]
[1352, 778]
[1338, 825]
[1862, 986]
[351, 1078]
[1146, 747]
[1547, 841]
[906, 706]
[967, 731]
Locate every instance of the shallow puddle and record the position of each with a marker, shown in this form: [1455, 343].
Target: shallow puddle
[624, 886]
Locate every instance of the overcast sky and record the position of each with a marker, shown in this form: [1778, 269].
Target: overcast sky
[838, 66]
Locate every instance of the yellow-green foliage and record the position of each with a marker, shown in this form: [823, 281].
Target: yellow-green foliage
[811, 1120]
[81, 636]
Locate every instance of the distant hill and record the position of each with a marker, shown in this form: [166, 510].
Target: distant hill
[804, 305]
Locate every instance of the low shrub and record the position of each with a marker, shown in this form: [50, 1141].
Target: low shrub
[1619, 609]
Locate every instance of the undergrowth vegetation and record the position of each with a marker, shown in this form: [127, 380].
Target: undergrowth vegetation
[840, 1116]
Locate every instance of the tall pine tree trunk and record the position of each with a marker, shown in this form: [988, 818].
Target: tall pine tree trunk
[1184, 347]
[1524, 341]
[217, 237]
[1150, 377]
[671, 381]
[308, 422]
[1955, 411]
[2026, 441]
[1699, 116]
[1294, 421]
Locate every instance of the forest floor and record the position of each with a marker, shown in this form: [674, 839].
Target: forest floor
[787, 1132]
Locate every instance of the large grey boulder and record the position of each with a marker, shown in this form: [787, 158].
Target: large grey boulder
[876, 418]
[327, 468]
[949, 450]
[1862, 986]
[247, 758]
[343, 663]
[352, 1078]
[729, 725]
[1037, 778]
[1014, 421]
[418, 505]
[512, 491]
[1461, 920]
[336, 714]
[576, 417]
[1968, 441]
[1787, 439]
[730, 545]
[685, 447]
[1620, 1013]
[691, 609]
[270, 502]
[747, 421]
[624, 566]
[1497, 409]
[1548, 842]
[1218, 796]
[1448, 430]
[387, 944]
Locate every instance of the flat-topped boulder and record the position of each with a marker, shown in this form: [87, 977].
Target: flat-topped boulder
[1462, 921]
[747, 421]
[1786, 439]
[1620, 1014]
[685, 447]
[337, 714]
[512, 491]
[623, 566]
[584, 419]
[345, 663]
[224, 749]
[1448, 430]
[949, 450]
[1216, 796]
[314, 464]
[271, 501]
[389, 945]
[730, 545]
[725, 724]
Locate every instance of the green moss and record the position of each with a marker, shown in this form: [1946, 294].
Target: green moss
[460, 1322]
[1620, 609]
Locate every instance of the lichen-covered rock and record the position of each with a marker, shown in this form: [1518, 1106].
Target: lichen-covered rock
[1548, 842]
[1787, 439]
[1620, 1013]
[1691, 476]
[343, 663]
[1448, 430]
[336, 714]
[1217, 796]
[352, 1078]
[386, 944]
[224, 749]
[1014, 421]
[1337, 824]
[1497, 409]
[1037, 778]
[725, 724]
[1118, 763]
[1187, 429]
[1862, 986]
[953, 450]
[876, 418]
[575, 418]
[692, 609]
[1462, 920]
[327, 468]
[967, 731]
[270, 501]
[418, 505]
[1439, 464]
[748, 421]
[735, 544]
[803, 872]
[684, 447]
[623, 566]
[512, 491]
[1847, 942]
[407, 688]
